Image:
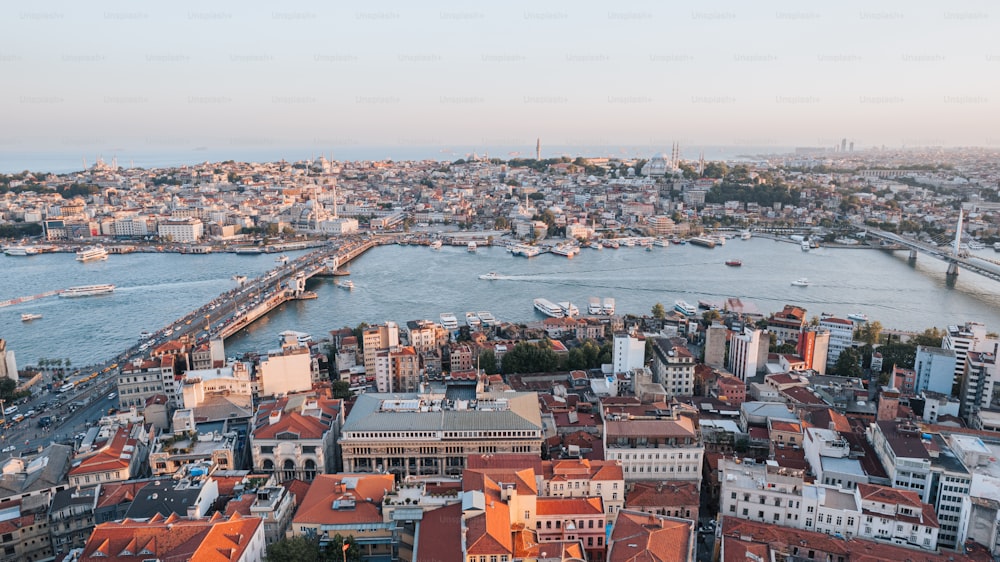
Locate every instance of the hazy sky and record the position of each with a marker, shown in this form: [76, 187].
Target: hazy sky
[146, 77]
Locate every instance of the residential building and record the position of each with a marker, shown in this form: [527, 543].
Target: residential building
[172, 452]
[378, 338]
[715, 345]
[653, 448]
[935, 368]
[971, 336]
[644, 536]
[348, 504]
[181, 230]
[761, 492]
[118, 453]
[432, 433]
[286, 371]
[295, 437]
[675, 499]
[748, 353]
[628, 353]
[237, 539]
[673, 367]
[24, 530]
[586, 478]
[71, 517]
[405, 370]
[144, 378]
[275, 506]
[841, 337]
[829, 456]
[787, 324]
[979, 388]
[813, 348]
[897, 516]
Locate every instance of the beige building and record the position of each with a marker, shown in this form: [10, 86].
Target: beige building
[378, 338]
[144, 378]
[183, 230]
[287, 371]
[295, 437]
[431, 433]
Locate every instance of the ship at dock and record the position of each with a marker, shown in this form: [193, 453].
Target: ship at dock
[92, 253]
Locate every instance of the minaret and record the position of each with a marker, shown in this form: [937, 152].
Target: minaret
[538, 148]
[701, 164]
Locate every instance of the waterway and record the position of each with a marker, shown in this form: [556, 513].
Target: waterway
[403, 283]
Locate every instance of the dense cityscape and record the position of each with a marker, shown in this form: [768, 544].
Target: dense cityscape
[708, 430]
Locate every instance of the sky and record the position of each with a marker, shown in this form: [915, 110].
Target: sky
[379, 79]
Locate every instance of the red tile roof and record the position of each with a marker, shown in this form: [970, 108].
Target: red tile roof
[317, 505]
[205, 540]
[641, 537]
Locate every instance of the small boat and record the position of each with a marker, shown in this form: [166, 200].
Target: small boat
[282, 259]
[436, 245]
[804, 245]
[597, 246]
[491, 276]
[858, 317]
[471, 246]
[685, 308]
[28, 317]
[608, 306]
[745, 235]
[703, 241]
[734, 263]
[348, 284]
[802, 282]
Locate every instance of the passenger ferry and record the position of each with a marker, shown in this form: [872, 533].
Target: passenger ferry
[594, 306]
[472, 321]
[28, 317]
[486, 318]
[471, 246]
[346, 284]
[87, 291]
[567, 250]
[703, 241]
[21, 251]
[449, 321]
[549, 308]
[569, 309]
[745, 235]
[608, 306]
[92, 253]
[525, 250]
[685, 308]
[858, 317]
[436, 245]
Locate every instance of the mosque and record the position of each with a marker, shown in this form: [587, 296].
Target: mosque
[662, 165]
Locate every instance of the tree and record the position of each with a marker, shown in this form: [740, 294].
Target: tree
[659, 312]
[869, 333]
[931, 337]
[295, 549]
[335, 549]
[848, 363]
[902, 355]
[488, 362]
[710, 316]
[359, 332]
[341, 389]
[7, 388]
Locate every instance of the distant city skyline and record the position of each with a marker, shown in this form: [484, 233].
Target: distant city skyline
[390, 79]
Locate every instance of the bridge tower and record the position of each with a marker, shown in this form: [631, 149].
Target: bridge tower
[297, 284]
[956, 248]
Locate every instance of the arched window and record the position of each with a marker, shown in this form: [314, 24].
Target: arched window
[310, 470]
[288, 470]
[268, 466]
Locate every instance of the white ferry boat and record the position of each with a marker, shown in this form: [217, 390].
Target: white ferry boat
[346, 284]
[596, 246]
[436, 245]
[801, 282]
[21, 251]
[685, 308]
[28, 317]
[594, 306]
[569, 309]
[92, 253]
[549, 308]
[525, 250]
[858, 317]
[608, 306]
[487, 319]
[745, 235]
[87, 291]
[471, 246]
[661, 242]
[804, 245]
[567, 250]
[471, 320]
[449, 321]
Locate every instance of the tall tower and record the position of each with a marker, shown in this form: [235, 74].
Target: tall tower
[701, 164]
[538, 148]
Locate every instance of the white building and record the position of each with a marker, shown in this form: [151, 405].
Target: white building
[336, 226]
[761, 492]
[628, 353]
[935, 368]
[184, 230]
[654, 449]
[286, 371]
[745, 357]
[829, 456]
[841, 337]
[231, 379]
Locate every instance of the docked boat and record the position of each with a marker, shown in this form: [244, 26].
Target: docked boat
[661, 242]
[685, 308]
[858, 317]
[525, 250]
[282, 259]
[491, 276]
[566, 250]
[347, 284]
[87, 291]
[569, 309]
[449, 321]
[611, 244]
[598, 246]
[804, 245]
[720, 239]
[92, 253]
[471, 320]
[608, 306]
[707, 305]
[734, 263]
[21, 251]
[549, 308]
[802, 282]
[486, 318]
[471, 246]
[745, 235]
[703, 241]
[594, 306]
[28, 317]
[436, 245]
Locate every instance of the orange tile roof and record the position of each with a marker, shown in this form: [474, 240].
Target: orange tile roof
[207, 540]
[489, 532]
[109, 457]
[545, 506]
[293, 421]
[440, 535]
[317, 505]
[645, 537]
